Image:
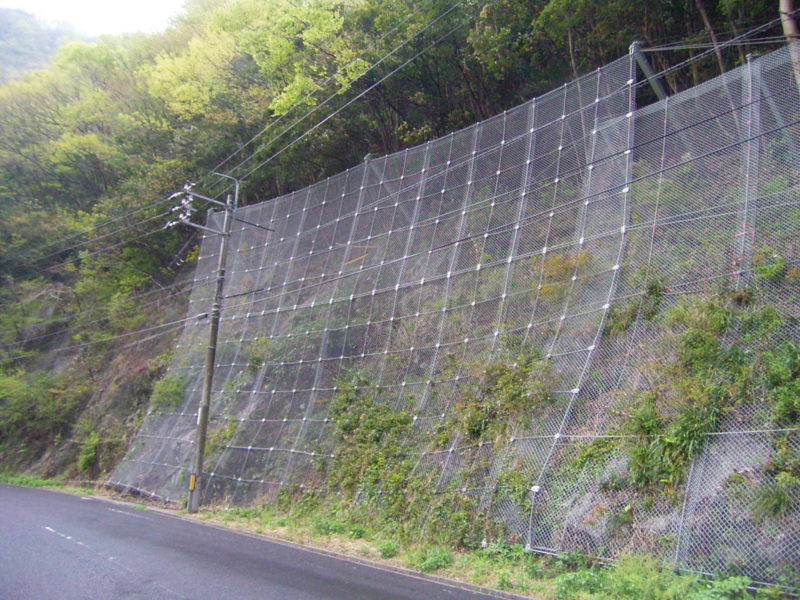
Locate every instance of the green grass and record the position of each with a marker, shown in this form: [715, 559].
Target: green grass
[571, 576]
[30, 481]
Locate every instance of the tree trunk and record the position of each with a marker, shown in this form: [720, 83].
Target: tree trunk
[792, 33]
[707, 22]
[718, 53]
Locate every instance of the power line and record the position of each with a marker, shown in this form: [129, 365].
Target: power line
[101, 224]
[96, 309]
[100, 237]
[310, 130]
[173, 324]
[283, 132]
[101, 250]
[703, 45]
[725, 44]
[89, 311]
[324, 83]
[452, 7]
[357, 97]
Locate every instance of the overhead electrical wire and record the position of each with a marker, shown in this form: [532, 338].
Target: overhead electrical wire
[243, 146]
[351, 101]
[79, 326]
[102, 224]
[335, 94]
[100, 250]
[732, 41]
[116, 337]
[120, 217]
[317, 125]
[110, 220]
[101, 237]
[97, 309]
[310, 112]
[324, 83]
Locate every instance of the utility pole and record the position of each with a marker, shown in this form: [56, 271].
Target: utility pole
[229, 207]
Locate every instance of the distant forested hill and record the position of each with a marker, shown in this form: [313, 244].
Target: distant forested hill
[26, 43]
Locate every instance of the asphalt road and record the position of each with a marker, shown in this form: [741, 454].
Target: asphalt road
[59, 546]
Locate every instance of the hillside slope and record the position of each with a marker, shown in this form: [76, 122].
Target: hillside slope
[573, 325]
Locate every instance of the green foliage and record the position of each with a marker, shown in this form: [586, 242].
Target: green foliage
[257, 353]
[509, 391]
[168, 392]
[783, 377]
[387, 549]
[369, 437]
[433, 559]
[595, 452]
[639, 577]
[517, 486]
[219, 437]
[720, 362]
[111, 123]
[327, 526]
[621, 317]
[87, 459]
[775, 499]
[29, 481]
[38, 407]
[769, 265]
[356, 531]
[663, 452]
[504, 581]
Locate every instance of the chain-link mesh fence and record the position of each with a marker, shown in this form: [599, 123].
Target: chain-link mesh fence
[616, 250]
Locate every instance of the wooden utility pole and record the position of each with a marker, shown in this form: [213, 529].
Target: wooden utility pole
[211, 356]
[185, 217]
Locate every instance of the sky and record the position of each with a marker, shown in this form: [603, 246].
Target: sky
[97, 17]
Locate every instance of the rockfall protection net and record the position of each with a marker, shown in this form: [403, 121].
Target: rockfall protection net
[573, 226]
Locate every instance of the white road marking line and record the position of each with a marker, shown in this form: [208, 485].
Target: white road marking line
[113, 559]
[122, 512]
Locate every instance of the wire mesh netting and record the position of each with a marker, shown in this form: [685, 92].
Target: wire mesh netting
[605, 244]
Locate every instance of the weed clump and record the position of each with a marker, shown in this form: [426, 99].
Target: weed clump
[433, 559]
[168, 392]
[639, 577]
[369, 439]
[387, 549]
[505, 395]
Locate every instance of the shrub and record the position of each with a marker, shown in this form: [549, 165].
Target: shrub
[357, 531]
[508, 392]
[168, 392]
[35, 406]
[662, 455]
[387, 549]
[504, 580]
[87, 459]
[775, 499]
[327, 526]
[768, 264]
[433, 559]
[370, 436]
